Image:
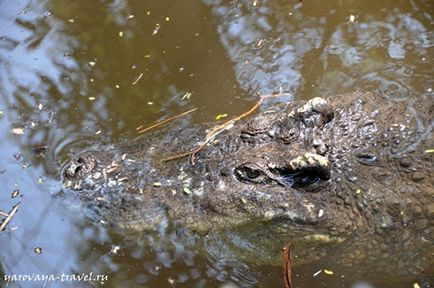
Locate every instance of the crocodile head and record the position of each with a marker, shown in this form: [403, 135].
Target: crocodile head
[321, 163]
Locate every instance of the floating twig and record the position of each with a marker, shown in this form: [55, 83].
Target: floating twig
[287, 266]
[137, 79]
[220, 128]
[165, 121]
[9, 217]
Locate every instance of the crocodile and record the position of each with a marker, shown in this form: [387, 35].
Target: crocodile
[319, 169]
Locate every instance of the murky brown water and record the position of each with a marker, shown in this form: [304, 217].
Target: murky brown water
[72, 72]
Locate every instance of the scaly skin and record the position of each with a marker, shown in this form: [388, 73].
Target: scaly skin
[355, 163]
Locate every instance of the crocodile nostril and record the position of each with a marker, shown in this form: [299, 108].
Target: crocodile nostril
[73, 170]
[304, 171]
[304, 177]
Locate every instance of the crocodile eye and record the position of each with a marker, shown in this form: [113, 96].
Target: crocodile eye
[247, 172]
[251, 173]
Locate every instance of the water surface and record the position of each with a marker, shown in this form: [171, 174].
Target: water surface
[73, 72]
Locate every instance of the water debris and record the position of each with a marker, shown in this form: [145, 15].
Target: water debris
[150, 103]
[165, 121]
[130, 16]
[328, 272]
[15, 193]
[92, 63]
[1, 113]
[117, 86]
[167, 19]
[317, 273]
[121, 33]
[137, 79]
[71, 20]
[8, 216]
[157, 184]
[255, 3]
[187, 95]
[38, 250]
[416, 285]
[156, 29]
[352, 18]
[320, 213]
[287, 265]
[259, 43]
[18, 131]
[429, 151]
[147, 56]
[40, 181]
[91, 98]
[226, 125]
[115, 249]
[220, 116]
[98, 132]
[186, 190]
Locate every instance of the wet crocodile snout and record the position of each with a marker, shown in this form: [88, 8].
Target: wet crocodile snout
[80, 166]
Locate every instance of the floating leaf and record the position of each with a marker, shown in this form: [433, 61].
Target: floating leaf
[186, 190]
[328, 272]
[18, 131]
[220, 116]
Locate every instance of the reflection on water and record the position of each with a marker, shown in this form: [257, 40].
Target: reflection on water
[72, 72]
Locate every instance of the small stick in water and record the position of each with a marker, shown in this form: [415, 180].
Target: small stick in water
[9, 217]
[215, 131]
[287, 265]
[166, 121]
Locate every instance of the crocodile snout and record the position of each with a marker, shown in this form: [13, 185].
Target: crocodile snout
[79, 167]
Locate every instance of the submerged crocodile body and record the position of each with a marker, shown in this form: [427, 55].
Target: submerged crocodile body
[354, 162]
